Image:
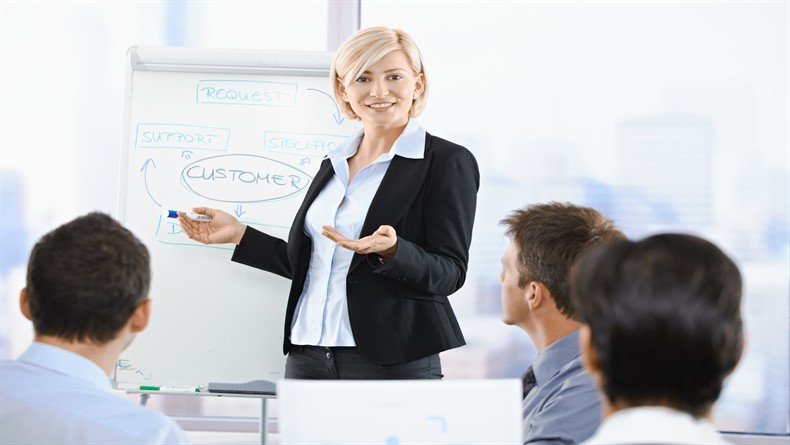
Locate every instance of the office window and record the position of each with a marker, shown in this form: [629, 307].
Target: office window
[663, 116]
[63, 71]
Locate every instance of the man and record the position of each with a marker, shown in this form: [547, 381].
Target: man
[662, 330]
[86, 294]
[560, 404]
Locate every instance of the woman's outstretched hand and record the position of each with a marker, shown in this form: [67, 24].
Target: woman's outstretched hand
[223, 228]
[383, 241]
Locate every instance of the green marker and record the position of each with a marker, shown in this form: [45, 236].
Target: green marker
[170, 388]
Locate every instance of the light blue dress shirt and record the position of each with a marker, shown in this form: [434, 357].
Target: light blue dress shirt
[322, 311]
[53, 396]
[563, 407]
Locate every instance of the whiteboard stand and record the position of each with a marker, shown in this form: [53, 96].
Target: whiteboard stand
[191, 117]
[263, 427]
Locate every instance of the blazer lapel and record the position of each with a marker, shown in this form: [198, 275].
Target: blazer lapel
[296, 234]
[400, 185]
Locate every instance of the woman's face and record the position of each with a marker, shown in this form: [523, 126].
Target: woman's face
[382, 95]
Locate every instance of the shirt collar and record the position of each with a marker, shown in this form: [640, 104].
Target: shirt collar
[59, 360]
[556, 356]
[410, 144]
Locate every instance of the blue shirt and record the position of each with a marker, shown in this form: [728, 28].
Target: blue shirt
[564, 406]
[53, 396]
[321, 317]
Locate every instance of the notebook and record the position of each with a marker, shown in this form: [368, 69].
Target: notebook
[399, 412]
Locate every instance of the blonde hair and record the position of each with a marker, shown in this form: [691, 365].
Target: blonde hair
[366, 48]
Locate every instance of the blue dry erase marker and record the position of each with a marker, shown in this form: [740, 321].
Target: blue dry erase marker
[190, 215]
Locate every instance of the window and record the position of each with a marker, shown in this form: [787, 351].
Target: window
[663, 116]
[63, 73]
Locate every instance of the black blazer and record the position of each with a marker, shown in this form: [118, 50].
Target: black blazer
[398, 311]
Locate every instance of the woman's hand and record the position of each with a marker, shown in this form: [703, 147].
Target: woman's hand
[383, 241]
[223, 228]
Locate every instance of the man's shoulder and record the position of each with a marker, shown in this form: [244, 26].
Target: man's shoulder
[570, 410]
[10, 364]
[86, 409]
[572, 382]
[575, 377]
[113, 410]
[140, 419]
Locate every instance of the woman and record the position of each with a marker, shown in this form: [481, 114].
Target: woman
[382, 237]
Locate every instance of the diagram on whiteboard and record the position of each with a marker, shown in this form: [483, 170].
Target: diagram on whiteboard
[248, 147]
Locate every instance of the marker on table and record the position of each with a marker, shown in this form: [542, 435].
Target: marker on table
[190, 215]
[170, 388]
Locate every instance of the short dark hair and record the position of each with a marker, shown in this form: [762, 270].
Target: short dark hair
[664, 318]
[86, 278]
[550, 236]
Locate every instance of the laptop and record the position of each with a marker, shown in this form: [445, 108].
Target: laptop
[399, 412]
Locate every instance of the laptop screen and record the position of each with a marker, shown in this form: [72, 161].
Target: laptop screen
[395, 412]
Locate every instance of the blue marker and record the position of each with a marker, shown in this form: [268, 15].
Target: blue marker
[190, 215]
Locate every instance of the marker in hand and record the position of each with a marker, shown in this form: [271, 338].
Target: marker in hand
[190, 215]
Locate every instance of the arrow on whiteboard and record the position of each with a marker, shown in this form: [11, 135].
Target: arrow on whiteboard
[144, 169]
[186, 154]
[304, 161]
[238, 211]
[338, 117]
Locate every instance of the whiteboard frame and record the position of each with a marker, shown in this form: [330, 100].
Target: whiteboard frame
[234, 61]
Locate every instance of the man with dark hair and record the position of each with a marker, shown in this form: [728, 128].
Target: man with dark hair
[662, 330]
[560, 405]
[87, 296]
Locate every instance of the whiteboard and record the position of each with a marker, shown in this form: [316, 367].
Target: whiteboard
[243, 131]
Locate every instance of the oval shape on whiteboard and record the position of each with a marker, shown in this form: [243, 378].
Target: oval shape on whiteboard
[243, 178]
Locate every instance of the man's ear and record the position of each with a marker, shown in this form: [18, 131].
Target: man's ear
[537, 294]
[590, 358]
[140, 316]
[24, 303]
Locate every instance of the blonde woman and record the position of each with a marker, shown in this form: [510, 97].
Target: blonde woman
[382, 237]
